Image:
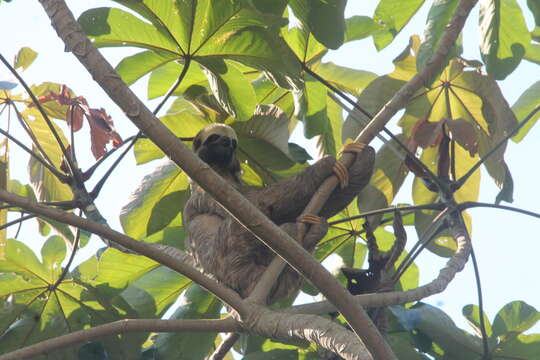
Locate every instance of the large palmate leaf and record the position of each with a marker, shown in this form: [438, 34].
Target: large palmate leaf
[504, 36]
[206, 32]
[38, 311]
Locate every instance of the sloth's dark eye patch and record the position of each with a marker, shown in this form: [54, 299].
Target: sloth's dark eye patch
[234, 144]
[212, 138]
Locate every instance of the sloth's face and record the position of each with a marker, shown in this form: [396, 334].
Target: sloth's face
[217, 149]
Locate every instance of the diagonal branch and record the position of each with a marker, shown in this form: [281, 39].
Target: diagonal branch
[249, 215]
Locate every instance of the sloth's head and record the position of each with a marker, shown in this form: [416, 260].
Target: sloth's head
[216, 145]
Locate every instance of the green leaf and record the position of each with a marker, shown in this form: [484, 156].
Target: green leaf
[345, 79]
[472, 314]
[182, 124]
[37, 312]
[439, 327]
[263, 142]
[515, 317]
[197, 303]
[163, 78]
[155, 291]
[53, 253]
[389, 173]
[115, 27]
[157, 201]
[46, 185]
[519, 347]
[329, 142]
[527, 102]
[204, 30]
[306, 48]
[360, 27]
[532, 53]
[323, 18]
[438, 19]
[24, 58]
[504, 36]
[393, 15]
[21, 260]
[133, 67]
[233, 92]
[315, 119]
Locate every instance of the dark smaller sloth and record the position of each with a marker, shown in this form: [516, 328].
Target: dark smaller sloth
[225, 249]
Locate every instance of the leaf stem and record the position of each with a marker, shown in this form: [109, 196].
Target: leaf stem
[71, 257]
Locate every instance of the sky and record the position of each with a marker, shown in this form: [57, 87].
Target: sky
[506, 244]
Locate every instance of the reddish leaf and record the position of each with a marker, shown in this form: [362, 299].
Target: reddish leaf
[464, 134]
[101, 131]
[426, 133]
[74, 117]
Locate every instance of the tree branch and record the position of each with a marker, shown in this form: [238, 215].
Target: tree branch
[248, 214]
[315, 329]
[122, 327]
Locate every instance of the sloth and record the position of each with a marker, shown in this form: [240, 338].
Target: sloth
[225, 249]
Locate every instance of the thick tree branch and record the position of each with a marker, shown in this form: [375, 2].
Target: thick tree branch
[249, 215]
[315, 329]
[122, 327]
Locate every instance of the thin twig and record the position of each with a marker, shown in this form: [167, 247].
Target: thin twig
[225, 346]
[19, 227]
[468, 174]
[434, 206]
[17, 221]
[485, 337]
[71, 257]
[88, 173]
[473, 204]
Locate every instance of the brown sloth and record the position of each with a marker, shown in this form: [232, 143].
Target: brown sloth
[225, 249]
